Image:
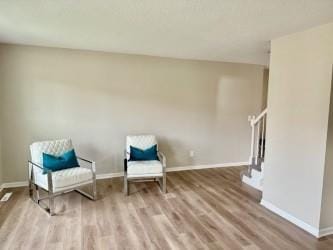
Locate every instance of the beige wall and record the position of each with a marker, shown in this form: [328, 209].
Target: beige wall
[326, 218]
[99, 98]
[298, 107]
[265, 89]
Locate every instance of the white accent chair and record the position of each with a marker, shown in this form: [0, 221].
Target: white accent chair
[144, 170]
[58, 182]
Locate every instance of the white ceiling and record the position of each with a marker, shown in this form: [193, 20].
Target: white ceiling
[219, 30]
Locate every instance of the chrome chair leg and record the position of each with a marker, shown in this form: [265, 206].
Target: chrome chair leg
[164, 184]
[94, 192]
[37, 194]
[30, 180]
[50, 193]
[126, 187]
[94, 188]
[51, 204]
[30, 190]
[89, 196]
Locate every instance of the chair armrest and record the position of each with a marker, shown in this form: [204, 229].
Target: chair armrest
[125, 165]
[162, 158]
[48, 172]
[92, 163]
[82, 159]
[35, 164]
[125, 160]
[126, 154]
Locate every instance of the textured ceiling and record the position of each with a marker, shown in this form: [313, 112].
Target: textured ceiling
[219, 30]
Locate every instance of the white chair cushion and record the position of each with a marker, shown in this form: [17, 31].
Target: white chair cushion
[56, 148]
[144, 168]
[140, 141]
[64, 179]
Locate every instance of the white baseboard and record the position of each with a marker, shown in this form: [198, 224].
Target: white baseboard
[222, 165]
[109, 175]
[119, 174]
[182, 168]
[14, 184]
[325, 231]
[308, 228]
[255, 183]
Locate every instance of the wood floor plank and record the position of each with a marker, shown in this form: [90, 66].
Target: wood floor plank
[203, 209]
[244, 228]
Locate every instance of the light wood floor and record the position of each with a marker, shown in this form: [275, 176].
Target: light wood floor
[204, 209]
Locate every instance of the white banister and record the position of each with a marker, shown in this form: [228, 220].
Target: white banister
[252, 144]
[259, 117]
[258, 129]
[254, 173]
[257, 142]
[262, 138]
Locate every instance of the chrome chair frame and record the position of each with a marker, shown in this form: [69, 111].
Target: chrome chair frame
[162, 181]
[34, 188]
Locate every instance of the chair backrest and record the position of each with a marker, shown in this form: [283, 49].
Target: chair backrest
[140, 141]
[56, 147]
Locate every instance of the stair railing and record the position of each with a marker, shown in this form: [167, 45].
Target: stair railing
[258, 136]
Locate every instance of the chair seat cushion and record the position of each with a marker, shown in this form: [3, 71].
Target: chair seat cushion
[144, 168]
[64, 179]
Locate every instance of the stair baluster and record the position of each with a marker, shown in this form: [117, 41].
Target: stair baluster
[258, 134]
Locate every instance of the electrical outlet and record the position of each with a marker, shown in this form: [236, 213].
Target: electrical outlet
[191, 153]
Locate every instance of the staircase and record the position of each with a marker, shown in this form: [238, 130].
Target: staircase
[254, 175]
